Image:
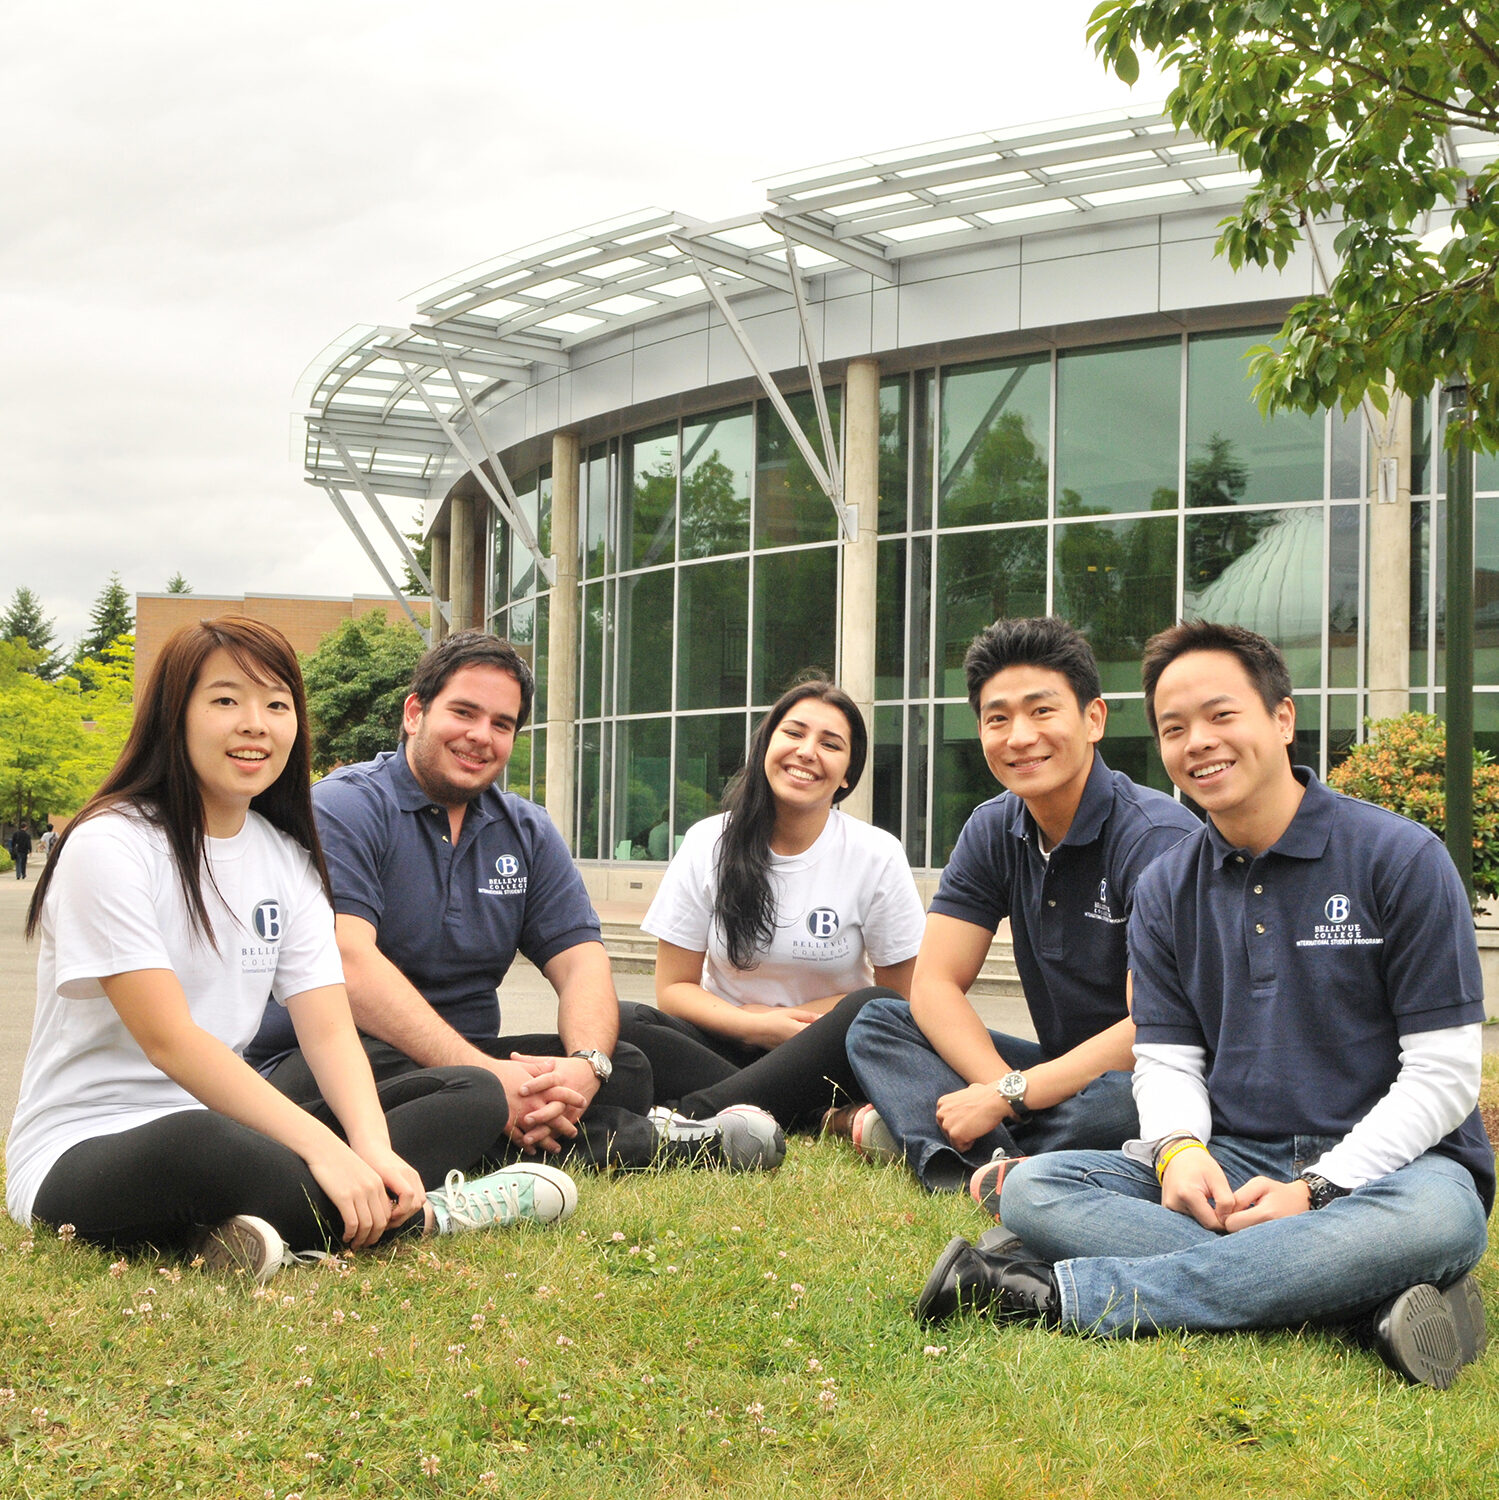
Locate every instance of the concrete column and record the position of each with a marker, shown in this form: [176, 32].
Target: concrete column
[1390, 571]
[461, 562]
[861, 487]
[439, 583]
[562, 637]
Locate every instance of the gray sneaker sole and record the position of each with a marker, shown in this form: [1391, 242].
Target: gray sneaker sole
[1433, 1334]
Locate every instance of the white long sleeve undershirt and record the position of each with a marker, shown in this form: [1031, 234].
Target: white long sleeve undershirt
[1433, 1093]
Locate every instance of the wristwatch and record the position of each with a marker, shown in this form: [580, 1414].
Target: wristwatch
[1011, 1088]
[1321, 1192]
[603, 1069]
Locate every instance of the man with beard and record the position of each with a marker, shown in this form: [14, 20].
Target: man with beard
[439, 879]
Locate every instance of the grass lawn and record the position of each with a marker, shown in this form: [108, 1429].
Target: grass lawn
[683, 1334]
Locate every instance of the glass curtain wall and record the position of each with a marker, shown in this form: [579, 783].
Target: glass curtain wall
[708, 580]
[1122, 486]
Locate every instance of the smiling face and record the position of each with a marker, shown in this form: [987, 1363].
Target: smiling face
[1038, 742]
[239, 734]
[806, 762]
[1225, 749]
[458, 746]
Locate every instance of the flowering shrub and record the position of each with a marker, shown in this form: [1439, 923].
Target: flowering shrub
[1403, 766]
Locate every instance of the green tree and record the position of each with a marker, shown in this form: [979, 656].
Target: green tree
[57, 739]
[24, 620]
[109, 620]
[177, 584]
[1347, 112]
[421, 549]
[356, 683]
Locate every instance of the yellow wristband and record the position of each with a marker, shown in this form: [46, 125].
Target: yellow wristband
[1172, 1152]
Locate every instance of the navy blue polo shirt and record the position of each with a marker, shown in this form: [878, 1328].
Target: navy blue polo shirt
[1067, 913]
[1299, 969]
[451, 919]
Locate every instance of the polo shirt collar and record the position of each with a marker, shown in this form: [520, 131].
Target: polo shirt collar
[411, 798]
[1309, 830]
[1092, 812]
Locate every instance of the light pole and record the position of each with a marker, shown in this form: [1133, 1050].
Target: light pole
[1459, 663]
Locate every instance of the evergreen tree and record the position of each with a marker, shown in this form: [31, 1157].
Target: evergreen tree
[24, 620]
[110, 618]
[177, 584]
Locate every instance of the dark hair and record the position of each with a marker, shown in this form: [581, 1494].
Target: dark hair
[1044, 641]
[745, 904]
[471, 648]
[1261, 660]
[155, 777]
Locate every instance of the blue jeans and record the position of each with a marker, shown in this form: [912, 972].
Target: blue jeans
[1126, 1265]
[903, 1077]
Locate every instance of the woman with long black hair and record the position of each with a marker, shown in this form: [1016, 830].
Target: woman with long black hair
[775, 922]
[188, 892]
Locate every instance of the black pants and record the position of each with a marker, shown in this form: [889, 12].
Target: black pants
[614, 1132]
[700, 1073]
[160, 1184]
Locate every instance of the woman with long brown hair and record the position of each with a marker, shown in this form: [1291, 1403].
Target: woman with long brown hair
[188, 893]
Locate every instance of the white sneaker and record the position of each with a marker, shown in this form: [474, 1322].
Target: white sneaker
[522, 1192]
[246, 1243]
[743, 1137]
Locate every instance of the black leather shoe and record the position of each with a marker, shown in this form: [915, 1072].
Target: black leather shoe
[968, 1278]
[1428, 1335]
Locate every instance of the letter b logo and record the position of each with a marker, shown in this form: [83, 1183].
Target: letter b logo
[507, 864]
[1337, 908]
[822, 922]
[267, 921]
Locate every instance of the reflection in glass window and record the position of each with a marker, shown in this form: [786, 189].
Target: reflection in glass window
[1420, 591]
[917, 760]
[885, 760]
[890, 619]
[1344, 566]
[1421, 475]
[588, 792]
[983, 576]
[796, 610]
[1306, 748]
[924, 389]
[962, 778]
[1129, 746]
[1118, 428]
[1116, 581]
[919, 623]
[643, 640]
[894, 427]
[712, 634]
[598, 554]
[1342, 726]
[1347, 458]
[642, 783]
[539, 765]
[522, 560]
[1262, 570]
[521, 631]
[710, 751]
[996, 424]
[1486, 590]
[1235, 456]
[717, 456]
[790, 505]
[518, 767]
[499, 573]
[648, 499]
[541, 639]
[593, 664]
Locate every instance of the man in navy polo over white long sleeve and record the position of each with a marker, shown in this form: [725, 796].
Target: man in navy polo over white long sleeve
[1307, 1005]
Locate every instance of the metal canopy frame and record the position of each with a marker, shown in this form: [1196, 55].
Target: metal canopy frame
[398, 397]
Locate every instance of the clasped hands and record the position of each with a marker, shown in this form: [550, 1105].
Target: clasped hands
[547, 1097]
[1194, 1184]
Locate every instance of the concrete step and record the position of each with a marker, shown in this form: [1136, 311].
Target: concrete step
[632, 951]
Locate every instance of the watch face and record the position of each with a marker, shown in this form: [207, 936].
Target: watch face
[1012, 1086]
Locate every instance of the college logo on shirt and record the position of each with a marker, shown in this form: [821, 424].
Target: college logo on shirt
[1101, 911]
[265, 922]
[822, 942]
[506, 880]
[822, 921]
[1338, 931]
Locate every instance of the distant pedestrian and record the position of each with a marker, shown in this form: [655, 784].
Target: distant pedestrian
[47, 840]
[20, 850]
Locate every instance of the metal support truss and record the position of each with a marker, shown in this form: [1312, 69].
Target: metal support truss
[829, 476]
[507, 504]
[352, 522]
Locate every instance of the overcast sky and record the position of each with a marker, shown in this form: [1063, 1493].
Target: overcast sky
[196, 200]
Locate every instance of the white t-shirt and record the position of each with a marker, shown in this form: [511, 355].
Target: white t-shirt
[843, 907]
[116, 905]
